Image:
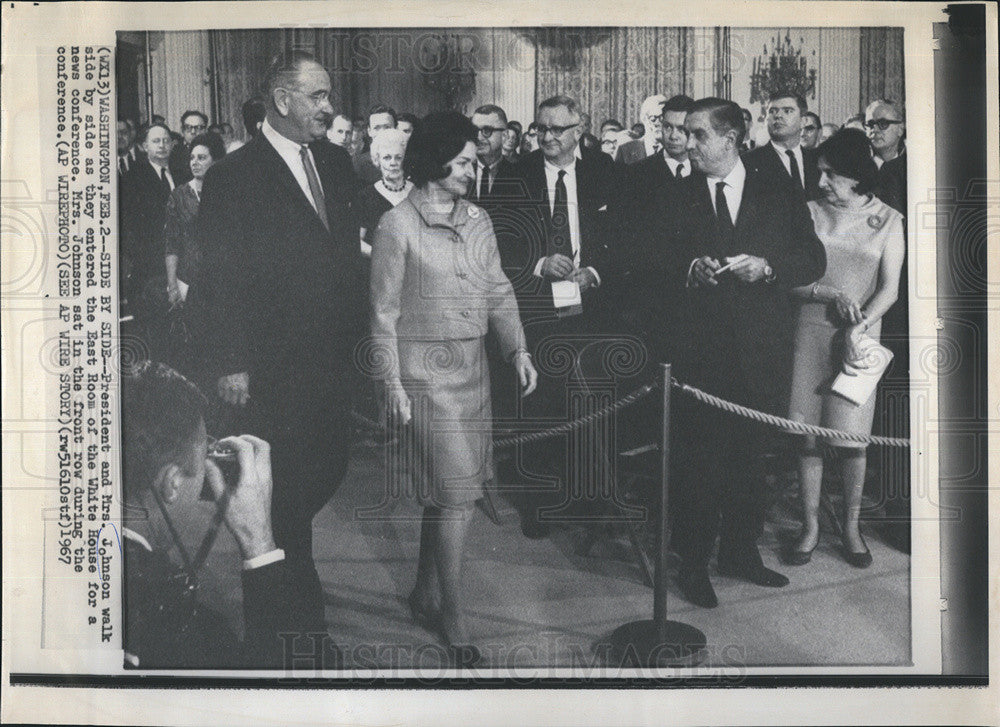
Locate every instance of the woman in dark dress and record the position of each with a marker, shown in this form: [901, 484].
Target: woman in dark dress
[388, 149]
[183, 255]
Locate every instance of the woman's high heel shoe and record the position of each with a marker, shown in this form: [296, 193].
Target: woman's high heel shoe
[857, 560]
[790, 555]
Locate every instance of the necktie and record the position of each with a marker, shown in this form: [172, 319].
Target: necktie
[164, 182]
[657, 147]
[679, 174]
[559, 240]
[319, 201]
[795, 167]
[484, 182]
[725, 220]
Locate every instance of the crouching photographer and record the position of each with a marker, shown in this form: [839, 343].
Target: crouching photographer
[168, 464]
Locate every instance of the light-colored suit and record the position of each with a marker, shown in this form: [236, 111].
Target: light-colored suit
[437, 286]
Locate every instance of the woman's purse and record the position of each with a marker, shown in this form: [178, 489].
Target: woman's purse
[860, 376]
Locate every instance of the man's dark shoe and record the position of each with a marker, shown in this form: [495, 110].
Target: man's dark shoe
[755, 572]
[697, 588]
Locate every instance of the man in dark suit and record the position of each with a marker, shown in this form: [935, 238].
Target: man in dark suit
[492, 167]
[282, 301]
[651, 113]
[645, 178]
[886, 132]
[734, 340]
[553, 244]
[192, 124]
[785, 153]
[165, 466]
[145, 189]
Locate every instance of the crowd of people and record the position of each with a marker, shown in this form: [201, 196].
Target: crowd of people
[447, 258]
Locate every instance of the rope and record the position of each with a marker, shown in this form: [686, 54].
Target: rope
[786, 424]
[704, 397]
[577, 423]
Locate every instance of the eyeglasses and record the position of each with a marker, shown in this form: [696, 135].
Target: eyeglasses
[194, 127]
[809, 128]
[487, 131]
[880, 124]
[556, 130]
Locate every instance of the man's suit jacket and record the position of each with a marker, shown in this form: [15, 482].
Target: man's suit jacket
[631, 152]
[522, 226]
[738, 330]
[142, 210]
[279, 294]
[500, 191]
[892, 183]
[166, 627]
[180, 163]
[643, 181]
[766, 159]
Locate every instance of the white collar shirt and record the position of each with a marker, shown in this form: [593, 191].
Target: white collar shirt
[783, 156]
[569, 179]
[733, 190]
[480, 169]
[161, 171]
[674, 163]
[652, 145]
[289, 151]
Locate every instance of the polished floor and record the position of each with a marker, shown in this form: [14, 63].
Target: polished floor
[542, 604]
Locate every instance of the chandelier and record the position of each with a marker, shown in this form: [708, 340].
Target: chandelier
[784, 68]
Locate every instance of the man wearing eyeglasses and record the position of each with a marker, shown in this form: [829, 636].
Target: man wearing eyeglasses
[784, 153]
[192, 124]
[281, 301]
[492, 167]
[811, 129]
[558, 264]
[651, 115]
[886, 132]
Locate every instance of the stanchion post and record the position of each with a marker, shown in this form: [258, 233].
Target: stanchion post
[658, 642]
[660, 577]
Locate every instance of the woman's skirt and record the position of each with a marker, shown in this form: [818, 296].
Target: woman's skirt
[447, 448]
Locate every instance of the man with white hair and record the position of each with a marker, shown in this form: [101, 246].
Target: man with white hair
[886, 130]
[651, 115]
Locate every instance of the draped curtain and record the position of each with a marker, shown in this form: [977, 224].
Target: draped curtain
[881, 65]
[239, 60]
[610, 71]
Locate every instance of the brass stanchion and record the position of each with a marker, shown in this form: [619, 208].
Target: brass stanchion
[659, 642]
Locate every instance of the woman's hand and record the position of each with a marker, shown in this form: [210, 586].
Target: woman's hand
[525, 372]
[397, 404]
[848, 310]
[852, 344]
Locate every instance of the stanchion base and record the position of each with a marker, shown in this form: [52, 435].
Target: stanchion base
[638, 644]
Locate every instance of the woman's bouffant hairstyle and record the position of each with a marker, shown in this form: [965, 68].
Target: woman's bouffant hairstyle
[211, 141]
[435, 141]
[849, 154]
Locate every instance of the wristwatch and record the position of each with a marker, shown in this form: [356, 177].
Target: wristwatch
[769, 275]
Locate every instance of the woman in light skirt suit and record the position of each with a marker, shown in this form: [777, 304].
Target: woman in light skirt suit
[436, 288]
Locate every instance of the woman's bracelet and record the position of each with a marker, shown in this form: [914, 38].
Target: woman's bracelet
[518, 352]
[814, 293]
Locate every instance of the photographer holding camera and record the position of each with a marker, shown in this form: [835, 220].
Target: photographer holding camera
[167, 461]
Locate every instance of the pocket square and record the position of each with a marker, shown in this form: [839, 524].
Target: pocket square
[602, 208]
